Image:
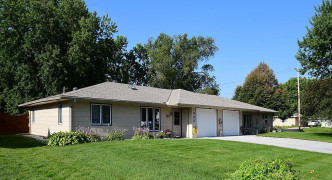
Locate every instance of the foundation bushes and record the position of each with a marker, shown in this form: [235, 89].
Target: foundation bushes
[116, 134]
[142, 133]
[85, 135]
[67, 138]
[92, 134]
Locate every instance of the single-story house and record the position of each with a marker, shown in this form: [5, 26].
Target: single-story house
[291, 121]
[126, 106]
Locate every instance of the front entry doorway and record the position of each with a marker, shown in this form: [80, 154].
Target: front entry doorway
[177, 123]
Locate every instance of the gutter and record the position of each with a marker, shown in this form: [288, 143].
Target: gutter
[114, 100]
[225, 108]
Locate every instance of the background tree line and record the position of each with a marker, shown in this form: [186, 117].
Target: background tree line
[50, 44]
[315, 55]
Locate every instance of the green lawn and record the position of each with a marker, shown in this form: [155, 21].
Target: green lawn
[21, 158]
[314, 134]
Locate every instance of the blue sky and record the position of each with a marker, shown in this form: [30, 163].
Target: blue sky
[246, 32]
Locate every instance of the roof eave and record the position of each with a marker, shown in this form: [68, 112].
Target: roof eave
[41, 102]
[226, 108]
[115, 100]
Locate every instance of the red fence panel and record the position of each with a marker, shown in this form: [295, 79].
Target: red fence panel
[10, 124]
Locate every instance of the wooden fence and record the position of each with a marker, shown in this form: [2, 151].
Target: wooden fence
[10, 124]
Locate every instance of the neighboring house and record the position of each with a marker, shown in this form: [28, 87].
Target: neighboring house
[291, 121]
[320, 122]
[115, 104]
[326, 123]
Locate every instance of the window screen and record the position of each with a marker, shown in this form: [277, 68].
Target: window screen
[106, 110]
[95, 114]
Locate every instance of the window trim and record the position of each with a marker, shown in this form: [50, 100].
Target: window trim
[153, 116]
[60, 114]
[101, 114]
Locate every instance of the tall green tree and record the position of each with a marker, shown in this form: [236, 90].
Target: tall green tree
[291, 89]
[315, 49]
[175, 63]
[127, 66]
[261, 88]
[50, 44]
[315, 56]
[317, 99]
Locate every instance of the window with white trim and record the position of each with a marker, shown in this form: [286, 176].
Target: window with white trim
[60, 113]
[150, 118]
[101, 114]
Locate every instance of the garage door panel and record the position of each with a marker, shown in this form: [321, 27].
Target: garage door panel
[206, 122]
[231, 123]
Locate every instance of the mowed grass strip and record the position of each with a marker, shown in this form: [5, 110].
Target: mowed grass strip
[146, 159]
[314, 134]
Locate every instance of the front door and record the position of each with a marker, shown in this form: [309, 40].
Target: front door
[177, 122]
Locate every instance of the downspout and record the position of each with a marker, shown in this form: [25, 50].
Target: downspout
[71, 115]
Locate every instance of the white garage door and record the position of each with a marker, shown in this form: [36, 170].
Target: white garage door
[206, 122]
[231, 122]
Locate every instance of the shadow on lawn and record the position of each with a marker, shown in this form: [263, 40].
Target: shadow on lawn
[17, 141]
[329, 135]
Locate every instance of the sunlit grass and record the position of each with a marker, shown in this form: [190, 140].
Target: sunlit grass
[146, 159]
[314, 134]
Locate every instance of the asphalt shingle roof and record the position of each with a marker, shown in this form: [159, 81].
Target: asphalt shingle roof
[112, 91]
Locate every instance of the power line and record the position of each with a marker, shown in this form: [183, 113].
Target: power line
[231, 82]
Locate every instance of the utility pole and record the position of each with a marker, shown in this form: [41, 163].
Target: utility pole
[298, 97]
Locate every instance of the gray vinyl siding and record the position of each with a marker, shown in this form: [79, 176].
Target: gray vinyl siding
[124, 115]
[166, 122]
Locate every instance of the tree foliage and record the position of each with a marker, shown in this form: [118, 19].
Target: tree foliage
[291, 89]
[315, 56]
[175, 63]
[261, 88]
[315, 49]
[317, 99]
[51, 44]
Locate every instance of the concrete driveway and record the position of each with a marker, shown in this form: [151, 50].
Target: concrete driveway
[306, 145]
